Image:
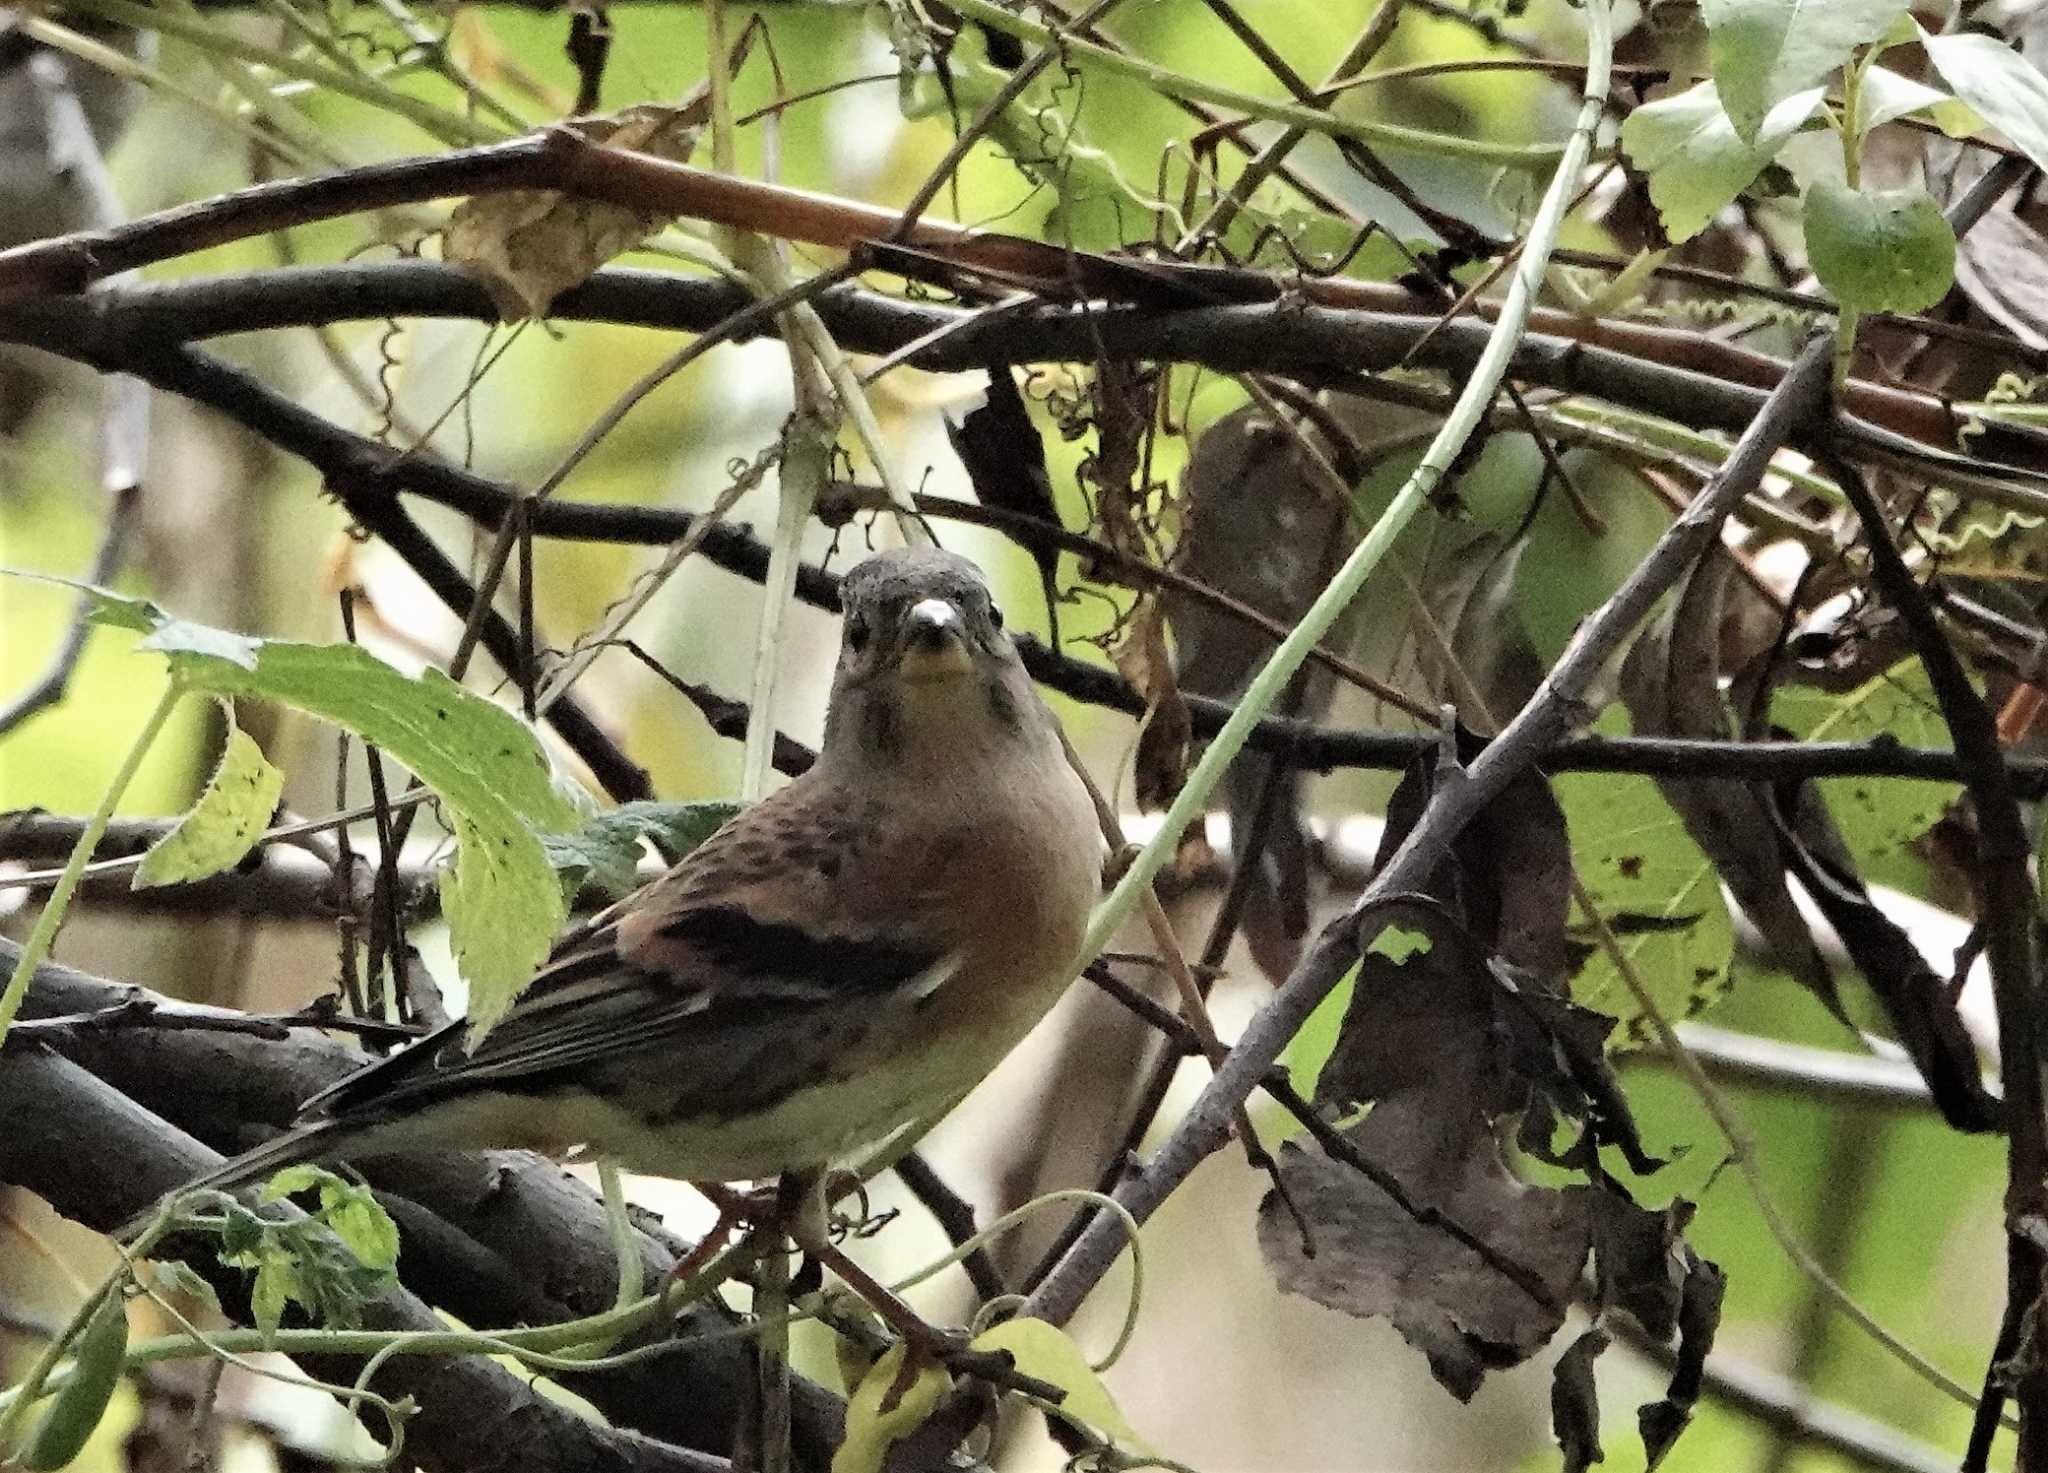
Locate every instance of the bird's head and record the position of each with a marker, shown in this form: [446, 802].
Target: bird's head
[923, 654]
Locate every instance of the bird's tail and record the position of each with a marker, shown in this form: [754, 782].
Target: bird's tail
[304, 1143]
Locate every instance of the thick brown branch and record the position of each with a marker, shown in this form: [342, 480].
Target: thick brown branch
[1326, 337]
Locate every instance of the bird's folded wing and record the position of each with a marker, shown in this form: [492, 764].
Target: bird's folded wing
[774, 916]
[593, 1006]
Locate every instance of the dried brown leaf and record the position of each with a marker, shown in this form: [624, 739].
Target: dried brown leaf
[1374, 1259]
[1471, 599]
[1258, 527]
[528, 246]
[1575, 1403]
[1167, 730]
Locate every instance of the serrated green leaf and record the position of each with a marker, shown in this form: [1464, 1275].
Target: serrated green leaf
[225, 823]
[1695, 160]
[277, 1284]
[1879, 251]
[362, 1224]
[2003, 86]
[292, 1180]
[1048, 1353]
[502, 902]
[870, 1430]
[1764, 51]
[606, 850]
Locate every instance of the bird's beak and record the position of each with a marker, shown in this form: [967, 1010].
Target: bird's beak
[934, 642]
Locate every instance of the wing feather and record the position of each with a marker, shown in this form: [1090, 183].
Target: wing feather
[732, 938]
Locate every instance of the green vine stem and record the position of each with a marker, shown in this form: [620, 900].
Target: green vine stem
[1464, 417]
[36, 949]
[1194, 89]
[448, 127]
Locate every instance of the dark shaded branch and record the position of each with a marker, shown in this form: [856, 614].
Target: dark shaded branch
[497, 1239]
[955, 1217]
[2006, 898]
[1681, 375]
[65, 1127]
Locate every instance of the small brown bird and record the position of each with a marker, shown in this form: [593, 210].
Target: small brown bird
[842, 959]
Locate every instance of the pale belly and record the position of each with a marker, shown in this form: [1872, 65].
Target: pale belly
[929, 1064]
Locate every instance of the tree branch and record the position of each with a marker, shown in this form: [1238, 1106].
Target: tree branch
[497, 1239]
[1556, 706]
[1686, 376]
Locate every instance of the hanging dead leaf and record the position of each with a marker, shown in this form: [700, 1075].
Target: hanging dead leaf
[1167, 730]
[528, 246]
[1005, 460]
[1257, 527]
[1374, 1259]
[1916, 1000]
[1670, 684]
[1575, 1404]
[1471, 598]
[1699, 1320]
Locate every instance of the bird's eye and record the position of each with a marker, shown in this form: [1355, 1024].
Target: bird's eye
[857, 632]
[995, 616]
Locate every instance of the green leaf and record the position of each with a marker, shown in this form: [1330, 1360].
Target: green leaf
[292, 1180]
[76, 1410]
[277, 1284]
[2006, 89]
[1883, 251]
[1885, 96]
[1884, 823]
[1695, 160]
[1043, 1351]
[175, 1276]
[1764, 51]
[348, 1209]
[871, 1430]
[501, 899]
[1658, 891]
[606, 849]
[361, 1223]
[225, 823]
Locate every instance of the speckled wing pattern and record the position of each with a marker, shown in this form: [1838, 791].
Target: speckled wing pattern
[676, 992]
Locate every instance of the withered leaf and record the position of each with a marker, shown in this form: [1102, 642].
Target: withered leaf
[1509, 874]
[1640, 1260]
[1575, 1403]
[1409, 1022]
[1471, 598]
[1670, 684]
[1916, 1001]
[1165, 734]
[1260, 529]
[528, 246]
[1374, 1259]
[1005, 461]
[1699, 1320]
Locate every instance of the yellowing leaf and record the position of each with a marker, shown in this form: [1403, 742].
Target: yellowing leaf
[531, 245]
[1045, 1351]
[225, 823]
[870, 1431]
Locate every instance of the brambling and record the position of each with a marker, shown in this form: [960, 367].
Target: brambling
[840, 961]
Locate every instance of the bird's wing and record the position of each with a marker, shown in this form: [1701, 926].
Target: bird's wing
[801, 903]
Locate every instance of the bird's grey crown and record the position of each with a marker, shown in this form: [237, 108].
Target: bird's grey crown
[905, 574]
